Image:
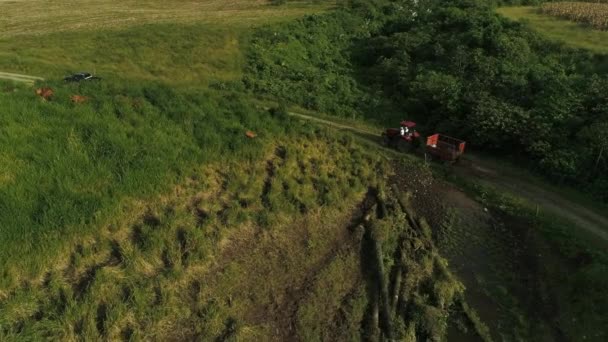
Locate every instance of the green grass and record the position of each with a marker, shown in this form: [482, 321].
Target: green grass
[146, 214]
[40, 17]
[66, 167]
[509, 168]
[175, 54]
[212, 256]
[191, 46]
[571, 33]
[568, 266]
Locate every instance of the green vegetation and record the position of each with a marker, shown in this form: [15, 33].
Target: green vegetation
[201, 260]
[570, 267]
[503, 88]
[460, 68]
[147, 213]
[593, 14]
[559, 30]
[41, 18]
[66, 166]
[246, 249]
[196, 44]
[169, 53]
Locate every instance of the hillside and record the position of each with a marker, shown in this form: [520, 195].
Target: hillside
[225, 178]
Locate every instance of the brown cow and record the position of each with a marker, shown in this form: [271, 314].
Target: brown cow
[45, 93]
[79, 99]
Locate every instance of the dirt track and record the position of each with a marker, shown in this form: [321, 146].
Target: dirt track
[547, 200]
[19, 78]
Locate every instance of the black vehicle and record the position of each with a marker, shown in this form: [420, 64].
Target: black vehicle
[81, 76]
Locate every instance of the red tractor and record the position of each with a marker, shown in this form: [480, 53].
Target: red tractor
[438, 146]
[404, 138]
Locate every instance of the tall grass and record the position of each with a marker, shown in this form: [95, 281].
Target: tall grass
[65, 166]
[200, 261]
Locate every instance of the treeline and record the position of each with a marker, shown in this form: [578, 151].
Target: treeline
[456, 67]
[537, 2]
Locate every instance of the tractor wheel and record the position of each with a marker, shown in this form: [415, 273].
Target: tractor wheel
[404, 146]
[386, 141]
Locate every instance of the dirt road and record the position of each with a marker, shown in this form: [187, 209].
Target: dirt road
[19, 78]
[490, 174]
[547, 200]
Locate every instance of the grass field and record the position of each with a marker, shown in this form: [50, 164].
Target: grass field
[146, 213]
[65, 166]
[41, 17]
[571, 33]
[185, 263]
[174, 42]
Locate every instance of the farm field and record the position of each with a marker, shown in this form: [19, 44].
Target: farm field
[592, 14]
[226, 179]
[557, 29]
[173, 42]
[40, 17]
[62, 173]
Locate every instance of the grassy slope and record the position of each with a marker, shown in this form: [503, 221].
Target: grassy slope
[91, 250]
[66, 167]
[275, 68]
[265, 249]
[564, 270]
[571, 33]
[206, 258]
[119, 263]
[206, 47]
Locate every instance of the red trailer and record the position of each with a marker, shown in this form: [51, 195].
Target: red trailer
[445, 148]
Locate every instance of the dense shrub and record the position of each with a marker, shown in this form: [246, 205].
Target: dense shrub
[454, 66]
[471, 73]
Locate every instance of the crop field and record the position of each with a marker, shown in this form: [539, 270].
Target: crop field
[592, 14]
[557, 29]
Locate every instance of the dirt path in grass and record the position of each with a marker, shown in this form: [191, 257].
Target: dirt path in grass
[19, 78]
[547, 200]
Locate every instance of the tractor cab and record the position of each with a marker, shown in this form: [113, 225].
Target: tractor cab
[407, 130]
[403, 138]
[440, 146]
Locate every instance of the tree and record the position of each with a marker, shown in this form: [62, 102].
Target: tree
[596, 136]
